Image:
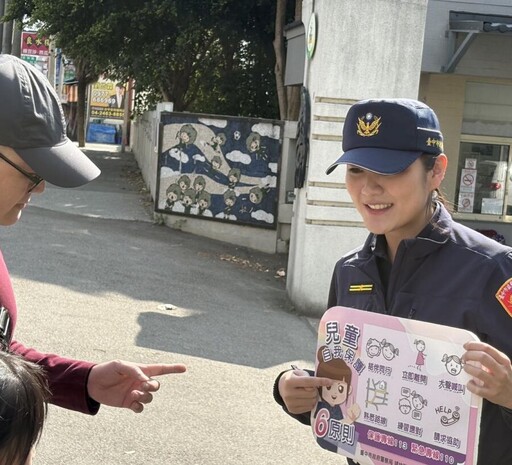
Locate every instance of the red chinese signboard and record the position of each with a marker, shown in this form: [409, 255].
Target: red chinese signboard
[32, 44]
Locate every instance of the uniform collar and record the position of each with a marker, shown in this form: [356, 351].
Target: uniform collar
[434, 235]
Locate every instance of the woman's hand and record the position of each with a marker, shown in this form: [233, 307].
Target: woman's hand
[299, 390]
[493, 379]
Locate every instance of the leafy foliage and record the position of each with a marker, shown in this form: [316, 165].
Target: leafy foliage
[209, 56]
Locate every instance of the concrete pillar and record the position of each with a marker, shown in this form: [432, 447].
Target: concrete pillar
[363, 50]
[16, 39]
[2, 12]
[7, 33]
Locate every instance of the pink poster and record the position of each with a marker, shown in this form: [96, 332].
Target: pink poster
[400, 393]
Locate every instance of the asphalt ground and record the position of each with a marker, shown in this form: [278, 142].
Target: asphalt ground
[97, 279]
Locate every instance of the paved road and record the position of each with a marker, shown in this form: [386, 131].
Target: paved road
[96, 279]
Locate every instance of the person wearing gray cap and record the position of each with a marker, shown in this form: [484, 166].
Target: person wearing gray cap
[34, 150]
[418, 263]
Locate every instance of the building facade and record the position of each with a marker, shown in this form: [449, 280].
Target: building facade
[453, 55]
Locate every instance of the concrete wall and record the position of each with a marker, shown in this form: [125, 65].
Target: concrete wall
[145, 148]
[356, 57]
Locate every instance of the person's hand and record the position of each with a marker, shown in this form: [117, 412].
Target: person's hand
[299, 390]
[126, 384]
[493, 379]
[353, 413]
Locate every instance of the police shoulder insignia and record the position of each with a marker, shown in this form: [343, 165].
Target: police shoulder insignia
[368, 125]
[365, 288]
[504, 296]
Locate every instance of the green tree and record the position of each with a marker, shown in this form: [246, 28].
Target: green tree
[73, 25]
[210, 56]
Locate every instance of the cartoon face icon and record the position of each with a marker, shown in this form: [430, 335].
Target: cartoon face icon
[172, 196]
[404, 406]
[184, 137]
[388, 350]
[255, 145]
[453, 364]
[335, 394]
[373, 347]
[420, 346]
[188, 197]
[418, 402]
[216, 163]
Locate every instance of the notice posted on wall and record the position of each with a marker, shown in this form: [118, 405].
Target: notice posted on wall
[399, 394]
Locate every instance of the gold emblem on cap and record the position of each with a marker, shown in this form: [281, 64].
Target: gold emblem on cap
[368, 125]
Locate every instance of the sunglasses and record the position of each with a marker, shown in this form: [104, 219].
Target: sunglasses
[34, 178]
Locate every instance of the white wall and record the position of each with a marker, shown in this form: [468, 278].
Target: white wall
[145, 149]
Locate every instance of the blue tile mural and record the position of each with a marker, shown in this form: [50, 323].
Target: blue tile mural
[219, 167]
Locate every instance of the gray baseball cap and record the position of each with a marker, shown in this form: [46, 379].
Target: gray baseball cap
[32, 123]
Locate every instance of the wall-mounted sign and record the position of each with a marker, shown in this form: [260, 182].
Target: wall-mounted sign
[311, 37]
[219, 168]
[399, 394]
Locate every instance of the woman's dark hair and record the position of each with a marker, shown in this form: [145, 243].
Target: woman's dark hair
[24, 394]
[429, 161]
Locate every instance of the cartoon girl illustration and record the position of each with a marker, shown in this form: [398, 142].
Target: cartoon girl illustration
[253, 144]
[204, 201]
[184, 182]
[233, 177]
[229, 201]
[420, 357]
[256, 195]
[418, 401]
[388, 350]
[333, 397]
[453, 364]
[216, 163]
[188, 199]
[217, 141]
[199, 184]
[186, 136]
[173, 194]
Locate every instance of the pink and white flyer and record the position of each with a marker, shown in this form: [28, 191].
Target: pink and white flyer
[399, 395]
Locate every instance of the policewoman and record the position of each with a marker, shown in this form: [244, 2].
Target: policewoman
[417, 262]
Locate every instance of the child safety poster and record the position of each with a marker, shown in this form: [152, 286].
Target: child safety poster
[399, 395]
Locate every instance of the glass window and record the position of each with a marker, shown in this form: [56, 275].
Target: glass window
[484, 178]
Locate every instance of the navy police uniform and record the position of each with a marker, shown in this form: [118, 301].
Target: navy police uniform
[450, 275]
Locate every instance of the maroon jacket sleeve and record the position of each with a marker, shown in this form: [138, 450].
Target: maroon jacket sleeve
[67, 379]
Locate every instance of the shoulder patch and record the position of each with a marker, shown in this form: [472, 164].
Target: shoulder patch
[365, 288]
[504, 296]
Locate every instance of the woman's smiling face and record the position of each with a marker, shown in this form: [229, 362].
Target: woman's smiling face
[395, 205]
